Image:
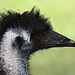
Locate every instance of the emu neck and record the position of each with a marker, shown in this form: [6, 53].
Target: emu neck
[13, 61]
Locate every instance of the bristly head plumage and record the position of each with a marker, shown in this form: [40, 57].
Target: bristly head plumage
[22, 35]
[32, 21]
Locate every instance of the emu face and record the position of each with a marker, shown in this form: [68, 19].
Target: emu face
[21, 35]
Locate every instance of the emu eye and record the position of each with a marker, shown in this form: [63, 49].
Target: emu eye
[39, 36]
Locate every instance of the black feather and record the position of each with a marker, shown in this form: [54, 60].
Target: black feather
[32, 20]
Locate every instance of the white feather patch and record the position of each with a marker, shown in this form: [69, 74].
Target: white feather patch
[12, 64]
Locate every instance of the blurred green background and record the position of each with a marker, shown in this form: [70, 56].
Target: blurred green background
[55, 61]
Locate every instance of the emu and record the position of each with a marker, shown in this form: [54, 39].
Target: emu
[22, 35]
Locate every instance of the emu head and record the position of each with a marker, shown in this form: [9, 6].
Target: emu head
[23, 34]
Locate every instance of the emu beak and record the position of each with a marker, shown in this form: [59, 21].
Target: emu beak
[54, 39]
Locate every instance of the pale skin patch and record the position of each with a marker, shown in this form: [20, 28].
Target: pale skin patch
[12, 58]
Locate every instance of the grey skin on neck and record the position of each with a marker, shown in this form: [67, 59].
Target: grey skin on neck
[14, 57]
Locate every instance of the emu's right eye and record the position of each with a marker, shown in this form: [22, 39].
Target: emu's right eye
[39, 36]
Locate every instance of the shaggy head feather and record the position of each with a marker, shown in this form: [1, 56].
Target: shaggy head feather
[23, 34]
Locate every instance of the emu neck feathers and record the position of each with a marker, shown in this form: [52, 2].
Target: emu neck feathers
[15, 62]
